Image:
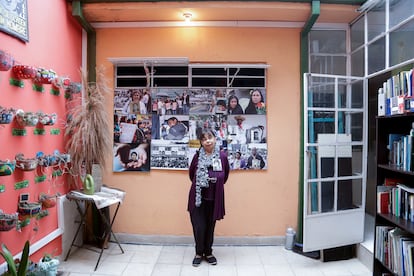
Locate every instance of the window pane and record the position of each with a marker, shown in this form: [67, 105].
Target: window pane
[402, 44]
[247, 72]
[246, 82]
[357, 100]
[351, 122]
[320, 122]
[400, 10]
[131, 82]
[357, 122]
[376, 56]
[327, 196]
[130, 71]
[328, 42]
[357, 34]
[376, 21]
[311, 155]
[321, 92]
[209, 72]
[328, 64]
[209, 82]
[170, 82]
[349, 194]
[170, 70]
[350, 95]
[357, 160]
[357, 63]
[313, 197]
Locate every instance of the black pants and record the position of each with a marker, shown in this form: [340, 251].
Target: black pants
[203, 227]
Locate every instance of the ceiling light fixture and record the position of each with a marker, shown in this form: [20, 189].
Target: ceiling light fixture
[187, 16]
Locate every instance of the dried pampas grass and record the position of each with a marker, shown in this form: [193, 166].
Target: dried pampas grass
[88, 128]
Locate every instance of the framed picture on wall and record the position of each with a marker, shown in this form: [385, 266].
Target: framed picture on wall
[13, 18]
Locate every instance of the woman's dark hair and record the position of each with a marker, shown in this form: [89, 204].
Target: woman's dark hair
[238, 109]
[206, 133]
[251, 108]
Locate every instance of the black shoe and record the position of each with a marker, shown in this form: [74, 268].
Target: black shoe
[211, 260]
[197, 260]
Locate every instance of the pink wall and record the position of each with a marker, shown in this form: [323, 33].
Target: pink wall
[262, 203]
[54, 43]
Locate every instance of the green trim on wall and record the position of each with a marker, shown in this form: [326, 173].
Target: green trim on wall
[304, 68]
[91, 40]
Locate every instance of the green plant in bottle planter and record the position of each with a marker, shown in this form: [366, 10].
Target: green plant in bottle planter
[14, 268]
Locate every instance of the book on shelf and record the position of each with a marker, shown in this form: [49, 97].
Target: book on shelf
[383, 199]
[381, 102]
[382, 244]
[395, 237]
[396, 93]
[401, 151]
[388, 181]
[405, 256]
[396, 199]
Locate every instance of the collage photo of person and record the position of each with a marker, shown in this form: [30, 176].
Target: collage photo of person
[132, 130]
[158, 128]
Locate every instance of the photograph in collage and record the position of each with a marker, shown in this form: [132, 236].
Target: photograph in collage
[158, 128]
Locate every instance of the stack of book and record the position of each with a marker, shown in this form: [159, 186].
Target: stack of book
[396, 94]
[400, 148]
[397, 200]
[395, 249]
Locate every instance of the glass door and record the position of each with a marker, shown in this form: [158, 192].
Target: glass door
[335, 161]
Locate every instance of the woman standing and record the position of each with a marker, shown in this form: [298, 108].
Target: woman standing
[209, 171]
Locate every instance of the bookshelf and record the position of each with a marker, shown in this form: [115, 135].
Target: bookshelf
[394, 227]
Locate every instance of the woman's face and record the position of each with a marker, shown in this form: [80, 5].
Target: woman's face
[256, 97]
[237, 155]
[233, 103]
[208, 142]
[135, 97]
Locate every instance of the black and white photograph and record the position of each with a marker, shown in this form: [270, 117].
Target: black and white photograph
[167, 155]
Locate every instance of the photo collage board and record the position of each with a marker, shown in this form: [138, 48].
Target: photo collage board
[158, 128]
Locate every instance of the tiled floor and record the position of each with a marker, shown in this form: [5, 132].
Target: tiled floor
[154, 260]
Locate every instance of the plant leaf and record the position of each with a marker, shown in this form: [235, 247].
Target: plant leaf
[11, 266]
[24, 261]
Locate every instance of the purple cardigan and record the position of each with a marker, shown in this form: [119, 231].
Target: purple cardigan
[222, 177]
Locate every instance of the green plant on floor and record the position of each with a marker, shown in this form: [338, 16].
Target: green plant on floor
[16, 268]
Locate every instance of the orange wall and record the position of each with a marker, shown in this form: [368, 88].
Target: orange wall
[54, 43]
[259, 203]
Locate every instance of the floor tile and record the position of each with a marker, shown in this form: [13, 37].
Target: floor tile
[249, 270]
[221, 270]
[158, 260]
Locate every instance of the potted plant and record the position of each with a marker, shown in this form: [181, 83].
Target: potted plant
[89, 139]
[47, 266]
[88, 128]
[16, 267]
